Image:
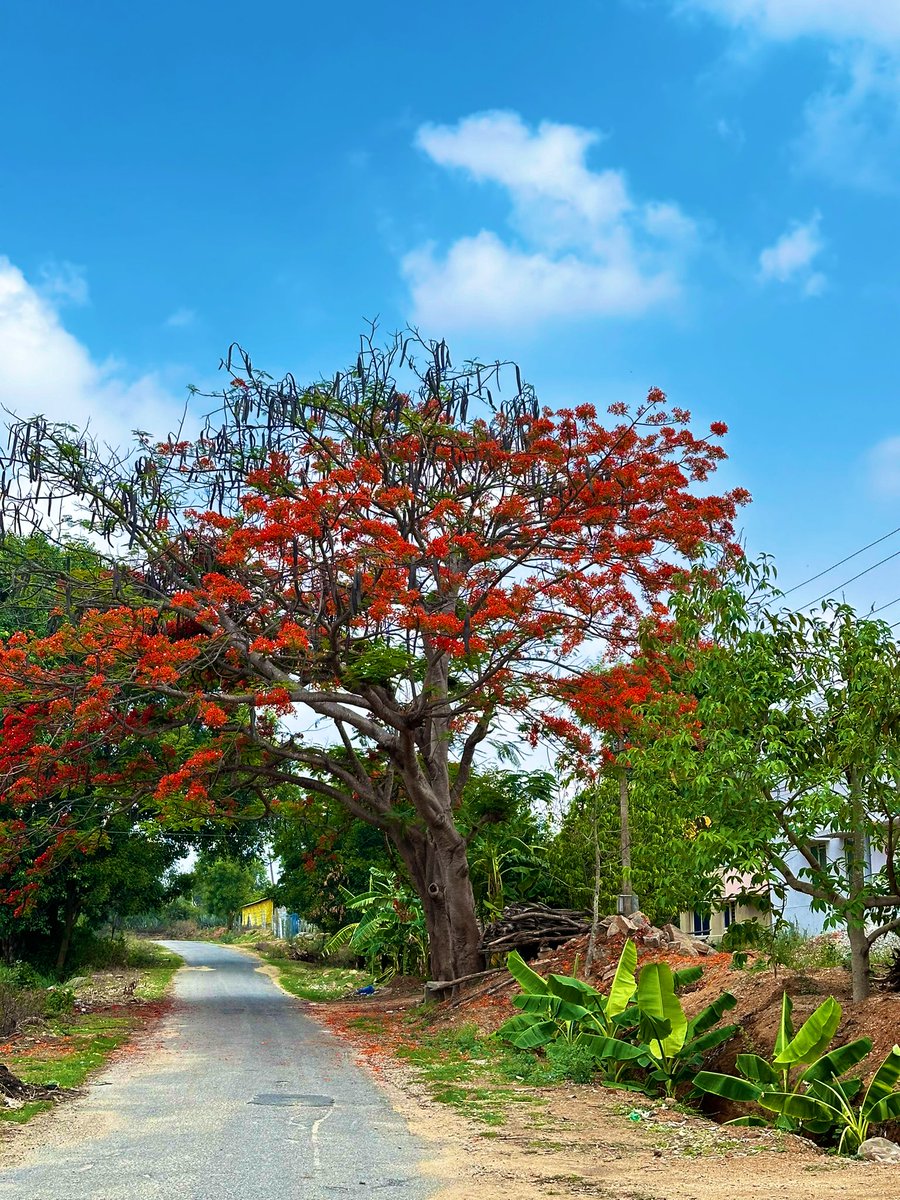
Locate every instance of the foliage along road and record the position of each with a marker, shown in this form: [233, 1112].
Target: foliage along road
[243, 1098]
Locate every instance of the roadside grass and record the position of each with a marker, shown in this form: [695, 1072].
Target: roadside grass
[73, 1045]
[468, 1070]
[312, 981]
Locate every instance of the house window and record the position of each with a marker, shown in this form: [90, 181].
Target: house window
[820, 853]
[729, 914]
[700, 924]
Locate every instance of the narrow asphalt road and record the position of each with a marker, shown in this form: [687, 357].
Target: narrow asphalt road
[238, 1096]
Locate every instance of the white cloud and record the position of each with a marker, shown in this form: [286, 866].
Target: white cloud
[579, 245]
[851, 129]
[884, 464]
[44, 369]
[875, 21]
[64, 283]
[790, 259]
[181, 318]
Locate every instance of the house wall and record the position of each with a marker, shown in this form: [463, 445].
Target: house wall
[797, 908]
[258, 914]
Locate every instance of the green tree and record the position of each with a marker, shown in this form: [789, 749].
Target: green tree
[226, 884]
[794, 732]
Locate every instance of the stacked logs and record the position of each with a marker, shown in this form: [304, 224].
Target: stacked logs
[527, 927]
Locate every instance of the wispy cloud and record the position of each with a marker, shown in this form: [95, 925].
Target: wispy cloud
[181, 318]
[64, 283]
[791, 257]
[884, 467]
[45, 369]
[851, 131]
[578, 243]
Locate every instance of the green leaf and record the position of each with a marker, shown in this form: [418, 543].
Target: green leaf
[537, 1035]
[714, 1037]
[656, 999]
[624, 983]
[785, 1027]
[837, 1061]
[755, 1122]
[887, 1109]
[686, 976]
[812, 1039]
[712, 1014]
[607, 1049]
[569, 988]
[883, 1082]
[802, 1108]
[756, 1069]
[728, 1086]
[528, 980]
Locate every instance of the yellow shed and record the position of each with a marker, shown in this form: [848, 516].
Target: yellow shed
[258, 913]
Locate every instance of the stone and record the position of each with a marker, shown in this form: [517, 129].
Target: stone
[639, 921]
[672, 933]
[656, 939]
[618, 927]
[880, 1150]
[688, 949]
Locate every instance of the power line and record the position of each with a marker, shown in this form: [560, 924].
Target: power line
[827, 595]
[841, 562]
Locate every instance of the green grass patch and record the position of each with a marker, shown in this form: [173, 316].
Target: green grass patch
[312, 981]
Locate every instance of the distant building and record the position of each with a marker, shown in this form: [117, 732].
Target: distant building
[264, 913]
[737, 898]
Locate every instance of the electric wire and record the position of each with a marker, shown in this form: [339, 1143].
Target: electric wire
[840, 562]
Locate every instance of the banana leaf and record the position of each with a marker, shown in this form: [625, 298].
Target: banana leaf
[713, 1037]
[785, 1027]
[686, 976]
[607, 1049]
[624, 983]
[528, 980]
[537, 1035]
[801, 1108]
[887, 1109]
[730, 1087]
[756, 1069]
[712, 1014]
[656, 999]
[884, 1081]
[561, 1010]
[567, 987]
[837, 1061]
[814, 1036]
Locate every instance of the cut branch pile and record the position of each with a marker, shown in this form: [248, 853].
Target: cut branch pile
[530, 926]
[15, 1092]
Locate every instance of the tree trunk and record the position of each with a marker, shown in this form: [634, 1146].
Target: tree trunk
[438, 867]
[859, 960]
[856, 875]
[595, 911]
[628, 902]
[68, 926]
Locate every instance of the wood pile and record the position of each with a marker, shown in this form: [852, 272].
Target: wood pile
[529, 926]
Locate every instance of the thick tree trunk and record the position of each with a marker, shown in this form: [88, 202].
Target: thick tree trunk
[859, 960]
[68, 926]
[439, 870]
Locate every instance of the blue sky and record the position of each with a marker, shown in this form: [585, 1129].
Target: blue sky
[696, 194]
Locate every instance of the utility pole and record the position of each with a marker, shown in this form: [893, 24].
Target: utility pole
[628, 901]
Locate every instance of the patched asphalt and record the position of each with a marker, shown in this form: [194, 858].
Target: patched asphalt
[236, 1096]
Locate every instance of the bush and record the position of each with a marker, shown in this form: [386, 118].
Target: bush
[18, 1007]
[58, 1001]
[570, 1060]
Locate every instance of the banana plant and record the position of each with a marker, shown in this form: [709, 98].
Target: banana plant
[829, 1104]
[806, 1048]
[563, 1006]
[673, 1046]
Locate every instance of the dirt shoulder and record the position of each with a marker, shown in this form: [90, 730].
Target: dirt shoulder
[495, 1136]
[48, 1062]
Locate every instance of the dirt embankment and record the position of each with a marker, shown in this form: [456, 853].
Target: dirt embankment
[589, 1141]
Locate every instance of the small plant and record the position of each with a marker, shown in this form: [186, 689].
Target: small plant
[58, 1001]
[19, 1007]
[829, 1105]
[390, 933]
[806, 1048]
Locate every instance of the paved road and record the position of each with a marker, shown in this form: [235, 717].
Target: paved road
[239, 1097]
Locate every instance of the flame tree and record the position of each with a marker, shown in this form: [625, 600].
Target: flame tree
[350, 587]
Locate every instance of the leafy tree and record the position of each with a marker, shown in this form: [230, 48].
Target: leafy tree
[412, 567]
[665, 870]
[227, 884]
[794, 730]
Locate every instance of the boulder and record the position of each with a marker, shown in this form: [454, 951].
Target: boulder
[880, 1150]
[688, 948]
[672, 933]
[655, 939]
[639, 921]
[618, 927]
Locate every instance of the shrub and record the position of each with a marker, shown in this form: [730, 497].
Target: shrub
[58, 1001]
[18, 1007]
